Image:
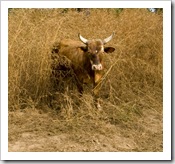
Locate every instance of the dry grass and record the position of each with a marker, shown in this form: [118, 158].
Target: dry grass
[131, 95]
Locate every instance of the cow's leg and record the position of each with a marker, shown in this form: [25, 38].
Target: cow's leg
[78, 83]
[80, 88]
[96, 88]
[81, 77]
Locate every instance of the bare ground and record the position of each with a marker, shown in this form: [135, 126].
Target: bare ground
[33, 130]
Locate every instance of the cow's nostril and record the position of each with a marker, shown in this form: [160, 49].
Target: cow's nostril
[93, 67]
[100, 67]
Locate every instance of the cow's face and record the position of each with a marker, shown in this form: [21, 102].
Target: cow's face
[95, 49]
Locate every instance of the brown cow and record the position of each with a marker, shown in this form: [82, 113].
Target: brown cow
[86, 60]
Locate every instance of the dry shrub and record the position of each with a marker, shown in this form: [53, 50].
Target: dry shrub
[132, 87]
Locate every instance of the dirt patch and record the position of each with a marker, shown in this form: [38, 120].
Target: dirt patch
[33, 131]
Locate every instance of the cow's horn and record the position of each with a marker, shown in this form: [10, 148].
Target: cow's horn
[82, 39]
[108, 38]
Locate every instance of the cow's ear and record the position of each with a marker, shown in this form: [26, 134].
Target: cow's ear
[109, 49]
[84, 48]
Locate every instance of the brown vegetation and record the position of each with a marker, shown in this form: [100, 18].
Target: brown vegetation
[45, 118]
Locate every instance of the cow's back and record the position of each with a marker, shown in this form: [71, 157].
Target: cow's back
[71, 49]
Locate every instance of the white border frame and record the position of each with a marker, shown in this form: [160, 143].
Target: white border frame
[165, 155]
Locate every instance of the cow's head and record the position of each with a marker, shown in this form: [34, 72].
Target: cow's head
[95, 49]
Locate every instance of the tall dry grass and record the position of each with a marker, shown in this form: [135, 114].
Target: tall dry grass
[132, 88]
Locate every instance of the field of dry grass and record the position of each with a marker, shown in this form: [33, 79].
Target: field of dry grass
[45, 120]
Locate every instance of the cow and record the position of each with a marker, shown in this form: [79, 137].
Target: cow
[86, 58]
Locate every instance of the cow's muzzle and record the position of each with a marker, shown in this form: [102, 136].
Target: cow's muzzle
[97, 67]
